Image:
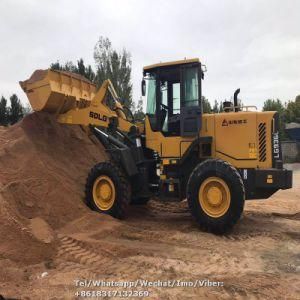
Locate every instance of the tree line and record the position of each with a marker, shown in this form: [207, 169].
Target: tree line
[11, 114]
[208, 109]
[288, 112]
[117, 65]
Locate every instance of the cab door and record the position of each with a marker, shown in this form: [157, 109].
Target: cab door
[190, 113]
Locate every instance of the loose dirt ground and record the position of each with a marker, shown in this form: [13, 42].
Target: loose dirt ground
[42, 256]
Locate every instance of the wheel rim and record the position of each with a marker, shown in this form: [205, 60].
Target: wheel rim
[214, 197]
[104, 192]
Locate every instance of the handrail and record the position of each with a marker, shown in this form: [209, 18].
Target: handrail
[232, 108]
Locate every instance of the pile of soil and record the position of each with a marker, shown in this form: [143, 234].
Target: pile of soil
[43, 168]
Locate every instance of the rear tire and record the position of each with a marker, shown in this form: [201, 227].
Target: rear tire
[107, 190]
[216, 195]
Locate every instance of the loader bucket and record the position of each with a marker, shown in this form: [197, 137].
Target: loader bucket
[57, 91]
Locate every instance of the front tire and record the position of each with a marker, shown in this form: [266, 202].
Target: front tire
[216, 195]
[107, 190]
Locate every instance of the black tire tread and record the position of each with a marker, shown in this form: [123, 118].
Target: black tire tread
[122, 186]
[226, 222]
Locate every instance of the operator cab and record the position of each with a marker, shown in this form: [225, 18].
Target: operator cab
[173, 92]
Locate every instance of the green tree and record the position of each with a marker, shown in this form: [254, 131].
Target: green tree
[276, 105]
[56, 66]
[116, 66]
[68, 66]
[84, 70]
[78, 68]
[3, 112]
[89, 73]
[293, 111]
[16, 111]
[273, 105]
[221, 109]
[206, 105]
[215, 108]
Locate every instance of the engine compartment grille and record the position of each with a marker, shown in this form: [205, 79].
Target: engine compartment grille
[262, 147]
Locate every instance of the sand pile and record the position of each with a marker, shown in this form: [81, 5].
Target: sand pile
[43, 167]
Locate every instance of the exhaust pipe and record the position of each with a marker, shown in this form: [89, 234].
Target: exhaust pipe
[235, 100]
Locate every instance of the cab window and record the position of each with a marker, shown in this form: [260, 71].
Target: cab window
[191, 87]
[151, 101]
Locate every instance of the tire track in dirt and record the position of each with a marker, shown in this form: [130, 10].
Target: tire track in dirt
[76, 251]
[75, 255]
[257, 286]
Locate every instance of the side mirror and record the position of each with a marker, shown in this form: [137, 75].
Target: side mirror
[143, 86]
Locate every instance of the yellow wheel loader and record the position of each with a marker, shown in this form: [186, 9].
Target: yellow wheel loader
[215, 161]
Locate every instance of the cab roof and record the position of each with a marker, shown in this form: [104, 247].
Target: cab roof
[172, 63]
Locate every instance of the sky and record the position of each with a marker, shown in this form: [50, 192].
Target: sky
[253, 45]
